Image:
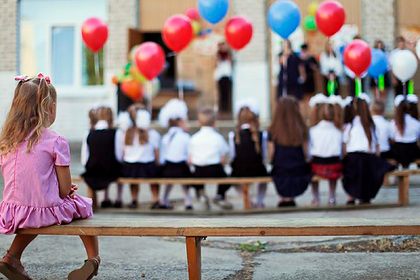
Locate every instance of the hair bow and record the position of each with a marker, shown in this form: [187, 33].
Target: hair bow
[22, 78]
[47, 79]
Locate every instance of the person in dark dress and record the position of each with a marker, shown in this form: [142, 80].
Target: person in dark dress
[288, 142]
[363, 169]
[311, 66]
[292, 73]
[223, 75]
[248, 146]
[101, 154]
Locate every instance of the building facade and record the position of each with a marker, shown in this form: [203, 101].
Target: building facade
[254, 71]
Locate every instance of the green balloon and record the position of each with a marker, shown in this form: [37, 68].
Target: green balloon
[310, 23]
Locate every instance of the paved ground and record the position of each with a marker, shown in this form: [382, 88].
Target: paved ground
[164, 258]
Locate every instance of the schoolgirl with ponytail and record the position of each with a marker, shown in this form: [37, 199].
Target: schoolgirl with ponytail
[141, 153]
[248, 146]
[405, 131]
[36, 169]
[363, 170]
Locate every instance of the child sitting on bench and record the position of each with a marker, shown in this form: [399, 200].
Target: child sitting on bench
[36, 169]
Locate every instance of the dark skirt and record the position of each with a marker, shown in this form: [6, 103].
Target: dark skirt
[387, 155]
[99, 183]
[329, 168]
[309, 85]
[140, 170]
[176, 170]
[406, 153]
[374, 84]
[363, 174]
[291, 173]
[240, 169]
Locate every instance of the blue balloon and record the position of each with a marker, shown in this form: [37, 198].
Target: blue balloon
[379, 64]
[284, 18]
[213, 10]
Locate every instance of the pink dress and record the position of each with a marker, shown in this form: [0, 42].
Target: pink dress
[31, 196]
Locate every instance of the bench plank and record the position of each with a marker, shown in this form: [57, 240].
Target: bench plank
[233, 227]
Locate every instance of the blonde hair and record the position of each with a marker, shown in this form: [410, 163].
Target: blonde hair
[29, 114]
[246, 116]
[207, 116]
[93, 118]
[143, 134]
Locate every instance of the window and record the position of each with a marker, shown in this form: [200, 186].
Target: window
[63, 55]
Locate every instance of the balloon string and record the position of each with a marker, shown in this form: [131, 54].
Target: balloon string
[96, 63]
[180, 80]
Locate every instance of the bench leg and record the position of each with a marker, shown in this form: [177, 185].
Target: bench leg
[194, 257]
[245, 191]
[404, 190]
[92, 194]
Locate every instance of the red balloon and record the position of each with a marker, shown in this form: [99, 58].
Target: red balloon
[330, 17]
[94, 33]
[132, 89]
[150, 59]
[238, 32]
[193, 14]
[177, 32]
[357, 56]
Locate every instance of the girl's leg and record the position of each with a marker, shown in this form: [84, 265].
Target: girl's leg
[262, 189]
[91, 246]
[187, 197]
[315, 193]
[118, 202]
[134, 195]
[333, 186]
[19, 244]
[168, 189]
[106, 194]
[155, 192]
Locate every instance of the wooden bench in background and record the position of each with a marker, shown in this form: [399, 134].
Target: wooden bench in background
[195, 230]
[403, 184]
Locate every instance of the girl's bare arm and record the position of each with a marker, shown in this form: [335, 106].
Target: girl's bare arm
[64, 180]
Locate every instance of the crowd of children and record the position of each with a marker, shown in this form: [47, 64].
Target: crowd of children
[347, 139]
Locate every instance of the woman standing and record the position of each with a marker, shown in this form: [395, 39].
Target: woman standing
[223, 76]
[331, 69]
[292, 73]
[374, 84]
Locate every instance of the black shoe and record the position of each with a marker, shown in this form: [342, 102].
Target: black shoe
[188, 208]
[133, 205]
[364, 202]
[155, 206]
[351, 202]
[106, 203]
[118, 204]
[283, 204]
[166, 207]
[292, 203]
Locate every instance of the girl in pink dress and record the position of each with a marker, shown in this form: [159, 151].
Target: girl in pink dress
[35, 165]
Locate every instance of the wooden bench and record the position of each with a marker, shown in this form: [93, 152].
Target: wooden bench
[195, 230]
[403, 184]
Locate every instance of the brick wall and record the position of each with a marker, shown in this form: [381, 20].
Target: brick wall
[8, 59]
[378, 21]
[251, 77]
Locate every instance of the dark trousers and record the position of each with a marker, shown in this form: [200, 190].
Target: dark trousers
[211, 171]
[225, 94]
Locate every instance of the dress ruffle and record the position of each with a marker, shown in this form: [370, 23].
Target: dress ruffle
[14, 217]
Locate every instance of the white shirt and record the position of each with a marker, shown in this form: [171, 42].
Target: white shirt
[411, 131]
[119, 147]
[231, 137]
[207, 147]
[138, 153]
[223, 69]
[355, 138]
[325, 140]
[383, 132]
[329, 63]
[174, 146]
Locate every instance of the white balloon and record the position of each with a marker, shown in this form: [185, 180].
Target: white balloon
[418, 48]
[404, 65]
